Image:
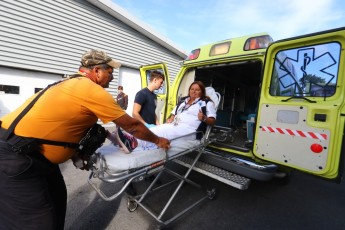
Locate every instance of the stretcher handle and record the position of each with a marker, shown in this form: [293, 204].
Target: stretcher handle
[102, 195]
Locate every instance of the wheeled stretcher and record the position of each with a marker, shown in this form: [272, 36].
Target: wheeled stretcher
[113, 165]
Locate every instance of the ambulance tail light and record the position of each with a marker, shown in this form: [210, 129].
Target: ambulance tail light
[193, 55]
[260, 42]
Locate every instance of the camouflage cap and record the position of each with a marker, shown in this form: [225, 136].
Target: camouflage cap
[97, 57]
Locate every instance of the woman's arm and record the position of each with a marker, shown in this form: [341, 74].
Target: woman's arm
[211, 114]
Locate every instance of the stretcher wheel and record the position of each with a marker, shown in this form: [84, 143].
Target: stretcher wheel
[211, 193]
[131, 205]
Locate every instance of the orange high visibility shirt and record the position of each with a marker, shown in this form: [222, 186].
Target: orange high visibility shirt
[64, 113]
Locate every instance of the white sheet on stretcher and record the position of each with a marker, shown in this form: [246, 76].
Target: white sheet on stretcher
[118, 161]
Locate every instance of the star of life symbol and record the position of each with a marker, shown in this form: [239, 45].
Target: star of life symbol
[305, 66]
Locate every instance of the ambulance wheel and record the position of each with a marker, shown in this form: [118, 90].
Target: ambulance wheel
[211, 193]
[131, 205]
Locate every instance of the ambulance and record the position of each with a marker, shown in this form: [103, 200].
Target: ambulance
[282, 105]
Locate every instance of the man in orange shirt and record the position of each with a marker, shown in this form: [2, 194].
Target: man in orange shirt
[33, 192]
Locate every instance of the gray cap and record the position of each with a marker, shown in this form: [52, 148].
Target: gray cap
[97, 57]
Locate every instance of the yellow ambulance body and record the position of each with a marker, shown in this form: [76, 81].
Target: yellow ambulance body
[282, 103]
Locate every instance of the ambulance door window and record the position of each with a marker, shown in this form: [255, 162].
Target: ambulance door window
[306, 71]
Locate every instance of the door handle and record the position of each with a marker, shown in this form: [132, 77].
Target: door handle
[320, 117]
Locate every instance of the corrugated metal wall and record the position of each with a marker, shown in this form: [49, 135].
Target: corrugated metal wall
[51, 36]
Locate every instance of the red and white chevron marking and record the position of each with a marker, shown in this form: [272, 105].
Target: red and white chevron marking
[291, 132]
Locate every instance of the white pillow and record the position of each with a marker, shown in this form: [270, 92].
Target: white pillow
[213, 95]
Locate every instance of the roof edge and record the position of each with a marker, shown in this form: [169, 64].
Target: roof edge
[122, 15]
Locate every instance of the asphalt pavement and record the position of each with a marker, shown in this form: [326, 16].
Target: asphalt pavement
[305, 202]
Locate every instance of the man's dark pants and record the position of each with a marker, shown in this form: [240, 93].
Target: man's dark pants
[33, 193]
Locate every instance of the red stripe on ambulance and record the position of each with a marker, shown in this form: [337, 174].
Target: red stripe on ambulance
[291, 132]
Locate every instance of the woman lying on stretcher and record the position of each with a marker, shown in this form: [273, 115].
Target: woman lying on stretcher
[193, 113]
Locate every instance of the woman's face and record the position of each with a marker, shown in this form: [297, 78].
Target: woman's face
[195, 91]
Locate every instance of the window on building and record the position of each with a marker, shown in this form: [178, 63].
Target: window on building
[38, 89]
[9, 89]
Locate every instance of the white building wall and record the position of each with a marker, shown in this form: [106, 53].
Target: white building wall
[27, 82]
[50, 36]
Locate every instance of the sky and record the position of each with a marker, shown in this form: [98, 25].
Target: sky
[189, 24]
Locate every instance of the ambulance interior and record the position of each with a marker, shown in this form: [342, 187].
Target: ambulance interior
[239, 86]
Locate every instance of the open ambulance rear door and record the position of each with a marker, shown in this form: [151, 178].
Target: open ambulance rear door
[163, 92]
[301, 116]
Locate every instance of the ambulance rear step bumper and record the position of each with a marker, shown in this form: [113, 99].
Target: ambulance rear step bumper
[216, 173]
[243, 167]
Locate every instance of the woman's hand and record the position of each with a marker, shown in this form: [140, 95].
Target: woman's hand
[201, 116]
[170, 119]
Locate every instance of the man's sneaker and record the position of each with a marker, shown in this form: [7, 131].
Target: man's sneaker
[126, 141]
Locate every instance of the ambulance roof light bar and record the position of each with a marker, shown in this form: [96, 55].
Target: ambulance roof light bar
[252, 43]
[260, 42]
[194, 54]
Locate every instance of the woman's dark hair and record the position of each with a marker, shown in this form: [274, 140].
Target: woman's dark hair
[202, 87]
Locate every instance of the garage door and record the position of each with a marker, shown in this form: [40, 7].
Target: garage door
[18, 85]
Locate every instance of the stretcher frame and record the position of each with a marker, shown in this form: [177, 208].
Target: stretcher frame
[158, 168]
